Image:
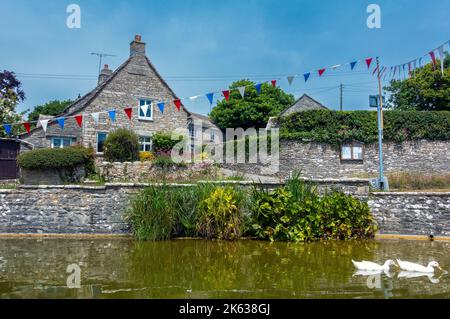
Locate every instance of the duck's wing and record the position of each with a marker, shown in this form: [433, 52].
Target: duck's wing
[367, 265]
[409, 266]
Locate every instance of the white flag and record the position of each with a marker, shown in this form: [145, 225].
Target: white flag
[334, 67]
[290, 79]
[441, 55]
[144, 109]
[193, 98]
[44, 124]
[96, 116]
[242, 90]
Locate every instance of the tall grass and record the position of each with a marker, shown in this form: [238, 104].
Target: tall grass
[418, 181]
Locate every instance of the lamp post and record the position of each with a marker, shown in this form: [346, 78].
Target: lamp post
[382, 182]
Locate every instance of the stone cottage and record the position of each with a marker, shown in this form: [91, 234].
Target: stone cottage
[134, 84]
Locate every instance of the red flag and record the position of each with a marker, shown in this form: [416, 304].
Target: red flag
[177, 104]
[433, 58]
[274, 83]
[79, 119]
[226, 94]
[129, 110]
[27, 126]
[321, 71]
[369, 62]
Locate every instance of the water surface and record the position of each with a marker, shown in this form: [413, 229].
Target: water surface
[123, 268]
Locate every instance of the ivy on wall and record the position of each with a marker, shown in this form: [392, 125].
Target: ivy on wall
[335, 127]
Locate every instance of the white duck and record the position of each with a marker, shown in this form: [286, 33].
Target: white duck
[368, 265]
[412, 267]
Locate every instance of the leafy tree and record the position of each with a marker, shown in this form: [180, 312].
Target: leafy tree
[11, 94]
[53, 108]
[426, 90]
[252, 111]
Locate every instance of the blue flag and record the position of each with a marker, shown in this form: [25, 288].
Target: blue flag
[210, 97]
[306, 75]
[161, 107]
[61, 121]
[352, 64]
[112, 115]
[8, 128]
[258, 87]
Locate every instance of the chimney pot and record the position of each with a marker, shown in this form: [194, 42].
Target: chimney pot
[106, 67]
[137, 38]
[137, 47]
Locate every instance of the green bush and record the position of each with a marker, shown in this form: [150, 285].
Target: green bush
[297, 213]
[56, 158]
[335, 127]
[121, 145]
[164, 142]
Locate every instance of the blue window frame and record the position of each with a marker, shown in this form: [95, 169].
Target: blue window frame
[149, 114]
[62, 141]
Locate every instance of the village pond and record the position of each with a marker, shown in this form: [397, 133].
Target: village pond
[124, 268]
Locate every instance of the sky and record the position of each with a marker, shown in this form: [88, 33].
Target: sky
[200, 46]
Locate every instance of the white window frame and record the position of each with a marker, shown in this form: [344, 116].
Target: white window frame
[96, 138]
[62, 143]
[352, 146]
[150, 144]
[150, 107]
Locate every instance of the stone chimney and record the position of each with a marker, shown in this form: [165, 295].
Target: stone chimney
[105, 73]
[137, 47]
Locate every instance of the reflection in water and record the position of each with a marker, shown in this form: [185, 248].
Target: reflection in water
[414, 274]
[123, 268]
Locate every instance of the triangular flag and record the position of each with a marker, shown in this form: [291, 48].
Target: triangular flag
[442, 57]
[334, 67]
[395, 71]
[433, 58]
[409, 68]
[8, 128]
[96, 117]
[144, 109]
[321, 71]
[226, 94]
[27, 126]
[242, 90]
[274, 83]
[290, 79]
[44, 124]
[375, 70]
[306, 76]
[177, 104]
[79, 119]
[258, 87]
[61, 122]
[193, 98]
[112, 115]
[353, 64]
[161, 107]
[128, 111]
[210, 97]
[369, 62]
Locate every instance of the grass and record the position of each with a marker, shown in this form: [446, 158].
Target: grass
[8, 186]
[409, 181]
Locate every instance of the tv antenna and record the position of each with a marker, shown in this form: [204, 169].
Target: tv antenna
[101, 56]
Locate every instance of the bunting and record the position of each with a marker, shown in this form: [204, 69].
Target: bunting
[210, 97]
[321, 71]
[353, 64]
[79, 119]
[61, 122]
[258, 88]
[8, 128]
[274, 83]
[290, 79]
[161, 107]
[44, 124]
[369, 62]
[226, 95]
[128, 111]
[112, 115]
[241, 90]
[96, 117]
[178, 104]
[306, 76]
[27, 126]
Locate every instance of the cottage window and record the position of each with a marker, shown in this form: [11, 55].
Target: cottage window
[352, 152]
[61, 141]
[149, 112]
[145, 143]
[101, 137]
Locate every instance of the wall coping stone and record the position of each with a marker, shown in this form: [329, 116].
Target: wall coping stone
[440, 194]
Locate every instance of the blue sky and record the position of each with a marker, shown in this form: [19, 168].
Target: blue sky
[231, 39]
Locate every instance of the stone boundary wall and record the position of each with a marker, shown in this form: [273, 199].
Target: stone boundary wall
[318, 160]
[79, 209]
[412, 213]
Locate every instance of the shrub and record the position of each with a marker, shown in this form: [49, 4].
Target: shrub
[164, 142]
[297, 213]
[334, 127]
[146, 156]
[121, 145]
[57, 158]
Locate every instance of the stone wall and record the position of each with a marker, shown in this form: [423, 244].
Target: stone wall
[412, 213]
[80, 209]
[316, 160]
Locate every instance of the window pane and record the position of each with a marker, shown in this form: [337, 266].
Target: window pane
[56, 142]
[346, 152]
[100, 141]
[66, 142]
[357, 152]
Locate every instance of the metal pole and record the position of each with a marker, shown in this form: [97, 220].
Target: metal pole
[380, 129]
[342, 88]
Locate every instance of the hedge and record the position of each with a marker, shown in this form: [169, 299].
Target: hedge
[55, 158]
[335, 127]
[121, 145]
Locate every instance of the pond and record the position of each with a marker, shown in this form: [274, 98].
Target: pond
[123, 268]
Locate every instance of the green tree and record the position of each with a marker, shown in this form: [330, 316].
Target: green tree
[11, 94]
[426, 90]
[252, 111]
[53, 108]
